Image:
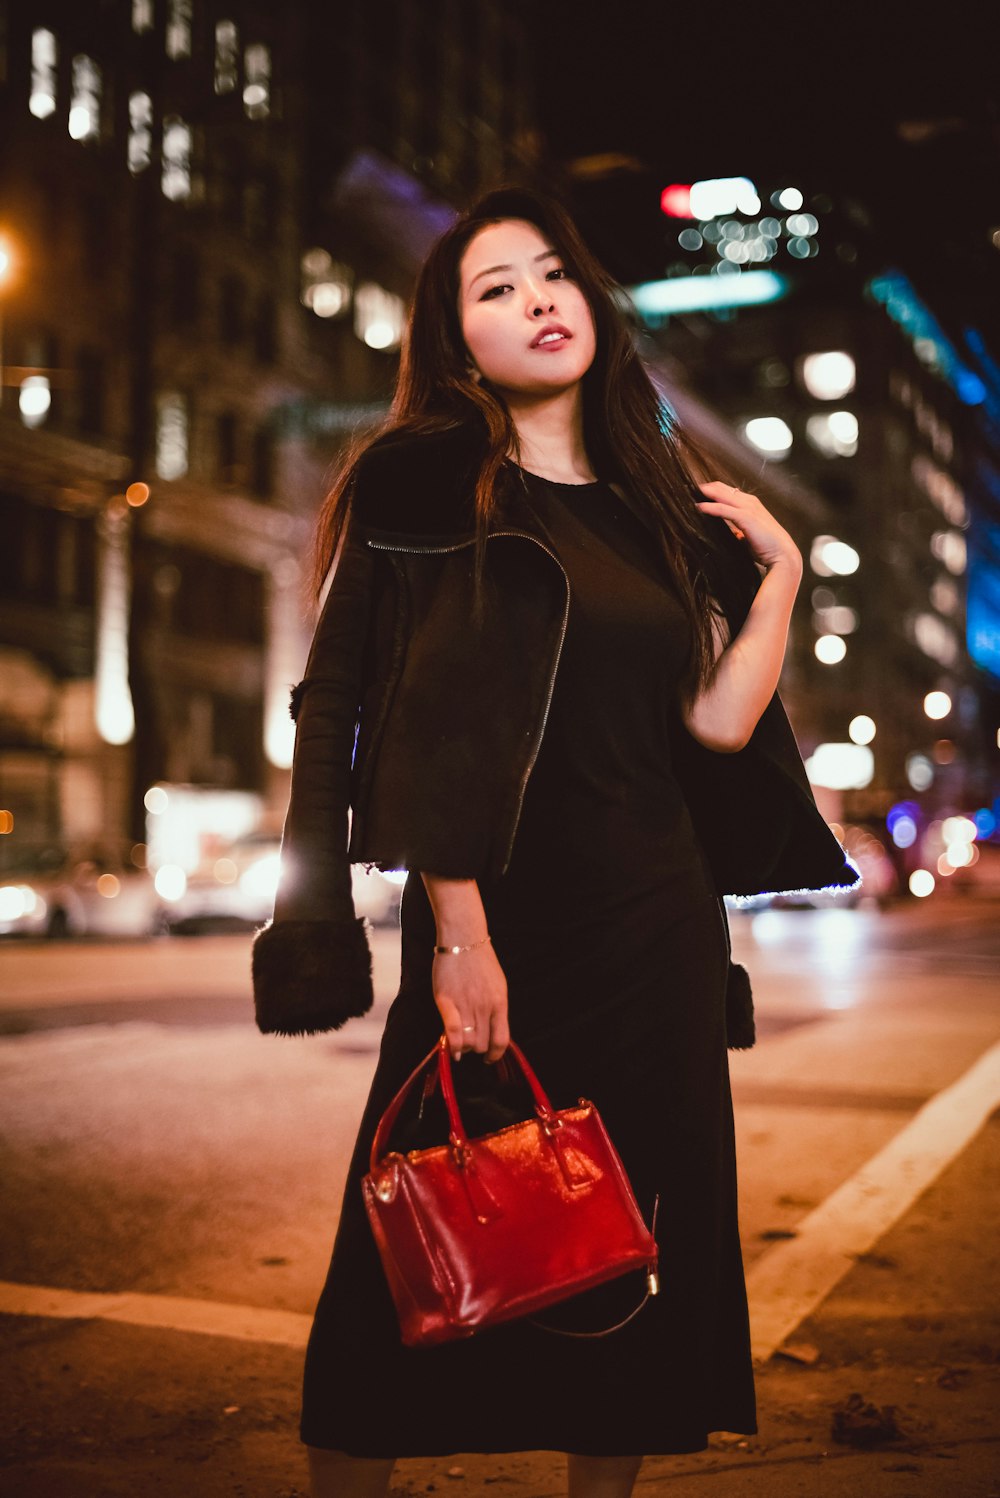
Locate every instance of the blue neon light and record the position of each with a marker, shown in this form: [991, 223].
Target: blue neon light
[660, 299]
[930, 342]
[982, 604]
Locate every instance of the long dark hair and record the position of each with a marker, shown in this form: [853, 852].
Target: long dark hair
[627, 435]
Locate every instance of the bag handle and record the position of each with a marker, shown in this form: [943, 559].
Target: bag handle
[458, 1137]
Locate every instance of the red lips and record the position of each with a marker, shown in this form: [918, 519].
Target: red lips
[552, 327]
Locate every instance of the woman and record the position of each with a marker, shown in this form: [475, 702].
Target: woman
[543, 681]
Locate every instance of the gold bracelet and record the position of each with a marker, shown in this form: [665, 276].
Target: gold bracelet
[470, 948]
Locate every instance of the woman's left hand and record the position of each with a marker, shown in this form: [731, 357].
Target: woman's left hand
[747, 518]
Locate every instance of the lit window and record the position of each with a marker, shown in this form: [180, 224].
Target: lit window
[35, 400]
[940, 488]
[257, 82]
[769, 434]
[829, 376]
[171, 435]
[42, 101]
[176, 178]
[935, 638]
[178, 36]
[378, 316]
[142, 16]
[861, 729]
[830, 649]
[949, 547]
[920, 774]
[140, 132]
[944, 596]
[85, 103]
[326, 284]
[227, 54]
[837, 620]
[834, 435]
[832, 558]
[900, 388]
[936, 430]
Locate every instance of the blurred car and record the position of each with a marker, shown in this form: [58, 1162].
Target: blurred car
[236, 887]
[981, 875]
[58, 893]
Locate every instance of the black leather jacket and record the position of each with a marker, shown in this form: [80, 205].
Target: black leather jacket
[418, 726]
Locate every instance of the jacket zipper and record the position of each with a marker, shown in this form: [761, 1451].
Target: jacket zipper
[459, 546]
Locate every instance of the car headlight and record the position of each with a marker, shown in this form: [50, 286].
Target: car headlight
[17, 901]
[170, 882]
[260, 880]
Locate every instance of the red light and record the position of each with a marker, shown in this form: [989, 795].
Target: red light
[676, 201]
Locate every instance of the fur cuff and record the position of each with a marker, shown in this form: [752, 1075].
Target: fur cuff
[310, 976]
[740, 1029]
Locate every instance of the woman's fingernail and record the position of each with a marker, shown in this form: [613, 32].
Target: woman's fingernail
[456, 1055]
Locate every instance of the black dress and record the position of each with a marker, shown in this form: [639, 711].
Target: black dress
[611, 937]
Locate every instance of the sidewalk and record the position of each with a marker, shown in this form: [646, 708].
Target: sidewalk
[99, 1410]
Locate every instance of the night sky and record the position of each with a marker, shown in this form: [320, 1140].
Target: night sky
[896, 105]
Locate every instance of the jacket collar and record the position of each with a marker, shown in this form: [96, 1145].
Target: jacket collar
[420, 489]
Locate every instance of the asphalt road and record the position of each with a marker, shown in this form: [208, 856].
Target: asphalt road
[155, 1145]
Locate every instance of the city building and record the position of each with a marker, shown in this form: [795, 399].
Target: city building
[778, 310]
[211, 218]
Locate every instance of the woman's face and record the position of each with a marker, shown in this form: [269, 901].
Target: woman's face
[528, 328]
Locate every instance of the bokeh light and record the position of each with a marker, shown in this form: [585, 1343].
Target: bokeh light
[830, 649]
[170, 882]
[829, 376]
[904, 832]
[919, 771]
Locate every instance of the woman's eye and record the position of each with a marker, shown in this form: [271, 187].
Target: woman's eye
[494, 291]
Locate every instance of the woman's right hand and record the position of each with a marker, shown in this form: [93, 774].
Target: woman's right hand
[470, 990]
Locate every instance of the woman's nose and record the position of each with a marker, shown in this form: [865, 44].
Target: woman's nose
[539, 298]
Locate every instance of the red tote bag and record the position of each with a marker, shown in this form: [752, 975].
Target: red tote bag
[479, 1231]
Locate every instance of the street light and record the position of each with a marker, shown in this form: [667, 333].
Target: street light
[6, 267]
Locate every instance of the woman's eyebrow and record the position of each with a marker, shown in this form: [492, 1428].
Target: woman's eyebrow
[491, 270]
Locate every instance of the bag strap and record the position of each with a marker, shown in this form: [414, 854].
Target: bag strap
[652, 1288]
[441, 1056]
[392, 1112]
[459, 1138]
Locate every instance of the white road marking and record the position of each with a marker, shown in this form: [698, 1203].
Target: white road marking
[784, 1286]
[787, 1283]
[211, 1318]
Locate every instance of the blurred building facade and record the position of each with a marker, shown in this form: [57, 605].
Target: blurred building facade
[843, 380]
[211, 218]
